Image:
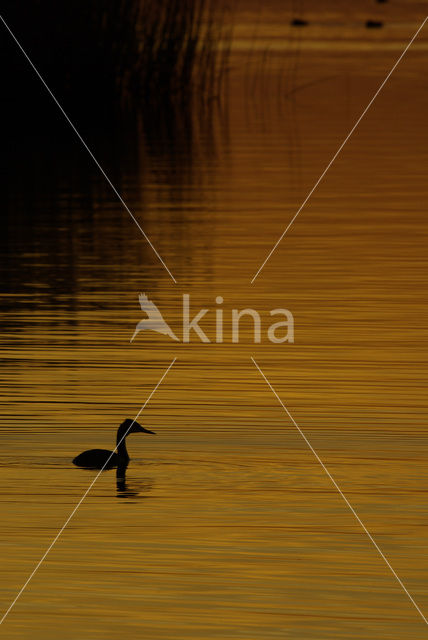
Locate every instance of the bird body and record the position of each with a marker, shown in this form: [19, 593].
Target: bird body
[154, 321]
[105, 459]
[97, 459]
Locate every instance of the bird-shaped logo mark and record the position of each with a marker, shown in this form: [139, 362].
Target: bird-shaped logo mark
[154, 321]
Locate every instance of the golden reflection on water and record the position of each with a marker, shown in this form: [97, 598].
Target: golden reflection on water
[227, 527]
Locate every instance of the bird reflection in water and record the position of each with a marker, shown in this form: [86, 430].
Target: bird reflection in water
[133, 490]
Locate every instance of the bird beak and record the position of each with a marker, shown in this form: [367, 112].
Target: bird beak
[147, 431]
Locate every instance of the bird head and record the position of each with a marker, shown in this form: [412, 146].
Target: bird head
[131, 426]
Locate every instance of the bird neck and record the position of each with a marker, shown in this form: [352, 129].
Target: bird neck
[122, 451]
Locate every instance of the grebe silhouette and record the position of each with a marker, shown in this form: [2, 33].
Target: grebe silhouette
[104, 459]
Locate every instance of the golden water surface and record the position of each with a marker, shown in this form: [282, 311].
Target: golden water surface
[227, 527]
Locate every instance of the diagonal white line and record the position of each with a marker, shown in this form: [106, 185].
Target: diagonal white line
[116, 192]
[12, 604]
[338, 151]
[385, 559]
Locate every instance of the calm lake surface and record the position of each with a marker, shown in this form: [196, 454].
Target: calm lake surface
[227, 526]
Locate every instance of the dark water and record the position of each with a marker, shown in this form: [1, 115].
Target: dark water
[227, 526]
